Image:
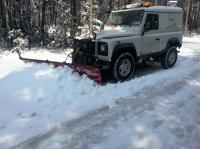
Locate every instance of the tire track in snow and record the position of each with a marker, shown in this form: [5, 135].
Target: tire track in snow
[89, 129]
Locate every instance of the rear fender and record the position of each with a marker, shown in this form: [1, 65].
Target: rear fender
[173, 42]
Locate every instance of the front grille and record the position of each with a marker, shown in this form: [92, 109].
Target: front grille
[87, 46]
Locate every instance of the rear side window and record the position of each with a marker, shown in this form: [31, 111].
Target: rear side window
[152, 22]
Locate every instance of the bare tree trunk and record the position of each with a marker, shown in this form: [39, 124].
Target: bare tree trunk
[73, 16]
[91, 17]
[43, 22]
[187, 16]
[39, 15]
[21, 20]
[28, 9]
[3, 14]
[52, 7]
[4, 20]
[55, 13]
[9, 14]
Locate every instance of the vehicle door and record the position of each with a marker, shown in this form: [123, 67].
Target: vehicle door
[150, 34]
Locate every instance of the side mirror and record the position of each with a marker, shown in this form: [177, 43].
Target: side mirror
[145, 30]
[143, 33]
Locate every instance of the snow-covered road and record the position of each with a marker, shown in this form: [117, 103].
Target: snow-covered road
[156, 110]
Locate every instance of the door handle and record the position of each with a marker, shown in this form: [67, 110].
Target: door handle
[157, 39]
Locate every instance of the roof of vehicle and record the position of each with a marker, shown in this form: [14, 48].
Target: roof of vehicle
[156, 9]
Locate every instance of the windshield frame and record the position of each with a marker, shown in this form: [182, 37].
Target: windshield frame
[128, 12]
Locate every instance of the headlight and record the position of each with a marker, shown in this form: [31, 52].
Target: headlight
[103, 48]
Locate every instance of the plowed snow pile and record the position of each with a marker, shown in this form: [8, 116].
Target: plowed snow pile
[35, 98]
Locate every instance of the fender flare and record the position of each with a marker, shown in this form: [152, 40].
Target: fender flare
[126, 47]
[173, 42]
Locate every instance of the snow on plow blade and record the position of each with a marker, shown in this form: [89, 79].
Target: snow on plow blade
[91, 72]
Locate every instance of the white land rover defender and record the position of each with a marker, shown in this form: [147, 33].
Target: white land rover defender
[131, 35]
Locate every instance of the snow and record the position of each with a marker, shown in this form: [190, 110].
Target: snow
[193, 39]
[176, 114]
[8, 67]
[36, 98]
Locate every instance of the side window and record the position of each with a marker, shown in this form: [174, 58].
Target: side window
[152, 22]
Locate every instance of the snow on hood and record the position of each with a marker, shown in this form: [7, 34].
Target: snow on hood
[116, 32]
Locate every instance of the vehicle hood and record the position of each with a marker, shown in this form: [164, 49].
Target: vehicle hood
[117, 32]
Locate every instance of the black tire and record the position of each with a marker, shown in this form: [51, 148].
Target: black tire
[170, 58]
[123, 67]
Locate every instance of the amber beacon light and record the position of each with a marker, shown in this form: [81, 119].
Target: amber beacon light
[147, 4]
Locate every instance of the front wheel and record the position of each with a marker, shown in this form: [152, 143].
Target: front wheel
[170, 58]
[123, 67]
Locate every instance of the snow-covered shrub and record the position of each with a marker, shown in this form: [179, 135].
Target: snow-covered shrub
[97, 24]
[83, 31]
[85, 18]
[15, 34]
[57, 36]
[20, 44]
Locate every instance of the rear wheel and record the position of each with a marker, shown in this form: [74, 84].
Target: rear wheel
[123, 67]
[170, 58]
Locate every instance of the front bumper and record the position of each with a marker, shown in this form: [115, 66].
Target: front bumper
[88, 59]
[83, 58]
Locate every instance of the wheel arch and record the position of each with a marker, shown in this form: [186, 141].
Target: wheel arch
[173, 42]
[122, 48]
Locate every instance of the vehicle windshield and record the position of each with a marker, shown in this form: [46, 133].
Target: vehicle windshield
[125, 18]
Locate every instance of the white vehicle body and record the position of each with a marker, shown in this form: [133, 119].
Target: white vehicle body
[152, 41]
[131, 35]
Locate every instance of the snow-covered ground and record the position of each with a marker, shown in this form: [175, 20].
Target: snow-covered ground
[193, 39]
[161, 109]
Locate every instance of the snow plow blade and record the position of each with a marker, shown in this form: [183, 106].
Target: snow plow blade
[91, 72]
